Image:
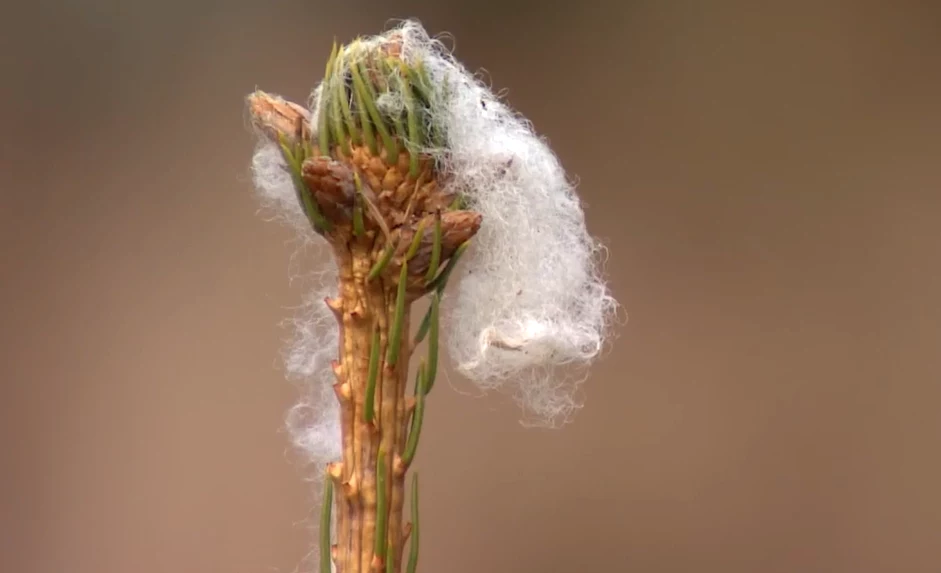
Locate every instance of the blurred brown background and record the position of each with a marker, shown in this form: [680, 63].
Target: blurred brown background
[767, 180]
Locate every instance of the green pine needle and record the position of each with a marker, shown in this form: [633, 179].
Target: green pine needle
[416, 241]
[414, 137]
[382, 514]
[423, 327]
[382, 263]
[343, 97]
[294, 158]
[323, 133]
[368, 136]
[359, 227]
[368, 95]
[413, 545]
[441, 281]
[398, 320]
[414, 433]
[433, 341]
[325, 521]
[372, 377]
[435, 249]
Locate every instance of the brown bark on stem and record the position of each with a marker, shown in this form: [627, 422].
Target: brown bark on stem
[363, 306]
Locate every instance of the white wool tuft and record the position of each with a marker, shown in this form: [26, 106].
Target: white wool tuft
[530, 309]
[531, 298]
[314, 422]
[275, 188]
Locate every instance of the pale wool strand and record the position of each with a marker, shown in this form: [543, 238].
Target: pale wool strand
[532, 298]
[275, 189]
[314, 422]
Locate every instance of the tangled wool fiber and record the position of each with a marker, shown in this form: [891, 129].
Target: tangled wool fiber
[530, 303]
[314, 422]
[531, 297]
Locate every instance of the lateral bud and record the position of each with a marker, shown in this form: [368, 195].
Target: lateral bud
[456, 228]
[337, 368]
[278, 118]
[343, 391]
[399, 466]
[335, 305]
[351, 487]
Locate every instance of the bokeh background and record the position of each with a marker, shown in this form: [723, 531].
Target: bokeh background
[766, 176]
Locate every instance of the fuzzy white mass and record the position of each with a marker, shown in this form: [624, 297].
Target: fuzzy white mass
[527, 306]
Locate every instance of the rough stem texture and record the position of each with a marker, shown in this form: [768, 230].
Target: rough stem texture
[364, 307]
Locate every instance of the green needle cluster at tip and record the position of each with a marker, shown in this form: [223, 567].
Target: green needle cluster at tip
[418, 79]
[367, 94]
[356, 78]
[390, 71]
[325, 517]
[413, 546]
[341, 96]
[412, 114]
[336, 121]
[323, 135]
[369, 137]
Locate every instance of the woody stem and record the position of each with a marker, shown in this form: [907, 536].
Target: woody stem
[371, 428]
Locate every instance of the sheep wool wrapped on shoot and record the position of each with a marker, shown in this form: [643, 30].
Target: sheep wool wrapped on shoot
[404, 166]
